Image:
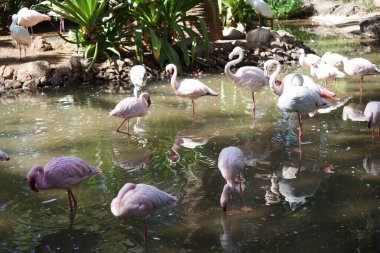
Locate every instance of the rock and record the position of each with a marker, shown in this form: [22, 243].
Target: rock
[8, 72]
[76, 64]
[371, 26]
[233, 33]
[259, 35]
[29, 85]
[32, 70]
[40, 44]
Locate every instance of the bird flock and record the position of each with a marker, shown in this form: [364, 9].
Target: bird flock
[296, 93]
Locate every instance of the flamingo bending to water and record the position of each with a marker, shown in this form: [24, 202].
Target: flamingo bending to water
[262, 9]
[3, 156]
[230, 163]
[189, 88]
[131, 107]
[360, 67]
[30, 18]
[20, 34]
[298, 99]
[372, 115]
[323, 71]
[138, 77]
[139, 200]
[61, 173]
[249, 77]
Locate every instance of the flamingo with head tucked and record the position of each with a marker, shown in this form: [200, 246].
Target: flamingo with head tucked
[251, 78]
[372, 115]
[296, 98]
[61, 173]
[230, 163]
[323, 71]
[188, 88]
[131, 107]
[306, 60]
[360, 67]
[333, 59]
[139, 200]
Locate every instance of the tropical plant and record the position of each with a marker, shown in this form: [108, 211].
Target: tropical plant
[236, 11]
[97, 33]
[163, 26]
[283, 9]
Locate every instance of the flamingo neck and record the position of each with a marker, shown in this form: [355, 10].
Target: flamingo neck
[173, 80]
[227, 68]
[38, 174]
[224, 196]
[278, 89]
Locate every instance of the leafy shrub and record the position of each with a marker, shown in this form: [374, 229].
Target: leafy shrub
[284, 9]
[236, 11]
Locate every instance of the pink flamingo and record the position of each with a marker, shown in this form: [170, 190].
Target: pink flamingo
[307, 82]
[189, 88]
[30, 18]
[297, 98]
[3, 156]
[230, 163]
[372, 115]
[324, 72]
[360, 67]
[306, 60]
[333, 59]
[131, 107]
[249, 77]
[139, 200]
[61, 173]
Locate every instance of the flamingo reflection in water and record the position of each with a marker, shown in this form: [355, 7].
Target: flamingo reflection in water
[296, 184]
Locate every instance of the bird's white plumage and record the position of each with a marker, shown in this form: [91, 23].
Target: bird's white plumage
[138, 76]
[230, 163]
[261, 8]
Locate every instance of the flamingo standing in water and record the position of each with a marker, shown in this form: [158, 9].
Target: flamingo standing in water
[297, 98]
[30, 18]
[249, 77]
[139, 200]
[262, 9]
[323, 71]
[333, 59]
[307, 82]
[372, 115]
[3, 156]
[61, 173]
[131, 107]
[230, 163]
[138, 77]
[360, 67]
[189, 88]
[306, 60]
[20, 34]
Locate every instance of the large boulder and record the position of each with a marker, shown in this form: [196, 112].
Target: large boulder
[32, 70]
[371, 27]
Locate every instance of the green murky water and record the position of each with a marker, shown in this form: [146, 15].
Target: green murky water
[315, 211]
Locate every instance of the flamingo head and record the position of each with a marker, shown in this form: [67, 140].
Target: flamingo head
[235, 51]
[32, 174]
[170, 69]
[14, 18]
[146, 96]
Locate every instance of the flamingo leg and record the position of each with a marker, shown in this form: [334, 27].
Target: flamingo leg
[145, 230]
[373, 134]
[361, 84]
[300, 127]
[254, 103]
[20, 51]
[72, 200]
[241, 190]
[119, 131]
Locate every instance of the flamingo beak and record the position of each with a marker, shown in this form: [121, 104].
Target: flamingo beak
[149, 102]
[224, 209]
[32, 184]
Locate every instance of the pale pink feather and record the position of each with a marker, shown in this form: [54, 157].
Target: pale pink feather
[132, 107]
[30, 18]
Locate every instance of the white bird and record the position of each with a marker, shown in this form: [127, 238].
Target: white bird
[131, 107]
[298, 99]
[138, 76]
[20, 34]
[30, 18]
[323, 71]
[189, 88]
[360, 67]
[230, 163]
[306, 60]
[251, 78]
[372, 115]
[333, 59]
[139, 200]
[262, 9]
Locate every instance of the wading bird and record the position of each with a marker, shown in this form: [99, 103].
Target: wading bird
[323, 71]
[372, 115]
[262, 9]
[188, 88]
[131, 107]
[4, 156]
[230, 163]
[251, 78]
[139, 200]
[138, 76]
[306, 60]
[30, 18]
[20, 34]
[61, 173]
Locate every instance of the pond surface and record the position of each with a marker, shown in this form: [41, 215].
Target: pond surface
[312, 210]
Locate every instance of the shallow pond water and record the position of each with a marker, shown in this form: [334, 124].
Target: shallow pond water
[314, 211]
